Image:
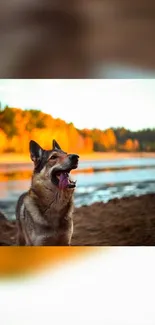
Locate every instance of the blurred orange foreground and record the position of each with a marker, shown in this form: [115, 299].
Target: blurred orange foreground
[18, 261]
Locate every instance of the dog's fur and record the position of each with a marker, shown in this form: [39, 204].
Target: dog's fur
[44, 213]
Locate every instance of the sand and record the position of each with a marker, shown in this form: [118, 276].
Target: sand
[120, 222]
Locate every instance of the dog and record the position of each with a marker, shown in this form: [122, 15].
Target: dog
[44, 214]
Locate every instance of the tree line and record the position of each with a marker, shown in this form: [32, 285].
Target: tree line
[18, 126]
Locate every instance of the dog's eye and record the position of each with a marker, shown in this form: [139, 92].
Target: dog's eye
[53, 157]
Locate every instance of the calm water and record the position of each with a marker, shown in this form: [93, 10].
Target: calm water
[110, 179]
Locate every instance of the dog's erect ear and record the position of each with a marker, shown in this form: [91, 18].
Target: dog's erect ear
[35, 151]
[56, 145]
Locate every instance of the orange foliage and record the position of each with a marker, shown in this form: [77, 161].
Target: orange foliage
[19, 126]
[128, 146]
[88, 145]
[19, 143]
[43, 137]
[131, 145]
[108, 140]
[3, 141]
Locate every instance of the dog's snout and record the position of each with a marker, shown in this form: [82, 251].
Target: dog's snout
[73, 157]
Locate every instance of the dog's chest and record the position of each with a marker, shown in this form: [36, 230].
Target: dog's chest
[59, 219]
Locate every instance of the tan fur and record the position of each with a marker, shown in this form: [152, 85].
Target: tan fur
[44, 213]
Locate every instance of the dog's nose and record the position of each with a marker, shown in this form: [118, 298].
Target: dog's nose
[73, 157]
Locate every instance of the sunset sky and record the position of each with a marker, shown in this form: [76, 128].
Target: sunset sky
[86, 103]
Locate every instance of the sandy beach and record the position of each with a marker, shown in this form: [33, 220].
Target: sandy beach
[125, 221]
[120, 222]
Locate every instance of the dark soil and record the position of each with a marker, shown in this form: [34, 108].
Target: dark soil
[125, 222]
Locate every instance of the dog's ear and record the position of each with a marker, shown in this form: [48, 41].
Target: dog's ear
[56, 145]
[35, 151]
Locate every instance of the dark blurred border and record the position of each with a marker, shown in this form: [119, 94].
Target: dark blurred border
[76, 38]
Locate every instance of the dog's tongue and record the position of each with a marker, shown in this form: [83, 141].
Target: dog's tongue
[63, 180]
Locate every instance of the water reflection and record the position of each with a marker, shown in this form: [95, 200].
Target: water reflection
[96, 180]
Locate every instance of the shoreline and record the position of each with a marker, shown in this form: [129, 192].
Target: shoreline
[119, 222]
[12, 158]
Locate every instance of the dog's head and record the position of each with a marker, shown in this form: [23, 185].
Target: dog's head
[54, 165]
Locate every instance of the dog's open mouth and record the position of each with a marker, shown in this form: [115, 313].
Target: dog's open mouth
[62, 179]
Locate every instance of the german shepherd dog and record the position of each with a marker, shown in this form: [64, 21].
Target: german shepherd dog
[44, 213]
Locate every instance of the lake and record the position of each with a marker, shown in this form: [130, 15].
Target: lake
[97, 180]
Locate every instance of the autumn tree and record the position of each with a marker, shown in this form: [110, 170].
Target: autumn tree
[18, 126]
[7, 121]
[129, 145]
[3, 141]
